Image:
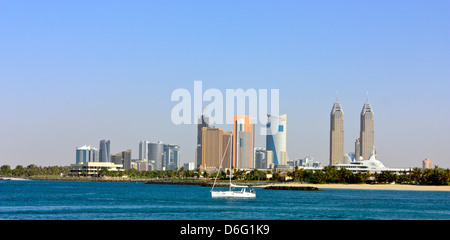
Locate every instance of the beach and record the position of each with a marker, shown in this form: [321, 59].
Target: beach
[405, 187]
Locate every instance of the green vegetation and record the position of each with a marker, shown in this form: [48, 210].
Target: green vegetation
[330, 174]
[32, 170]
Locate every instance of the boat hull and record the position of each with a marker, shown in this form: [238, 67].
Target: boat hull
[232, 194]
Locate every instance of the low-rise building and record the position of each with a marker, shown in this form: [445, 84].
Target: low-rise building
[93, 168]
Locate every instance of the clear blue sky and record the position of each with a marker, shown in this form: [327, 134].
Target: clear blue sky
[76, 72]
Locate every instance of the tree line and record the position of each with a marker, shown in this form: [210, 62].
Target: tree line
[329, 174]
[32, 170]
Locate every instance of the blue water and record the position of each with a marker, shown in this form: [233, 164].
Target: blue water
[107, 200]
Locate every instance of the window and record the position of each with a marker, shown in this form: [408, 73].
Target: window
[280, 128]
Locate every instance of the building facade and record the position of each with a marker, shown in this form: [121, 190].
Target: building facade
[336, 134]
[427, 164]
[203, 121]
[367, 131]
[243, 142]
[122, 158]
[276, 139]
[93, 168]
[260, 158]
[105, 151]
[227, 145]
[156, 153]
[143, 150]
[171, 156]
[86, 154]
[216, 145]
[357, 149]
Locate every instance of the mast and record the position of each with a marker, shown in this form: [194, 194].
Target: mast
[231, 137]
[223, 156]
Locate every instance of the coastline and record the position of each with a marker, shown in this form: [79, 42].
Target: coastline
[397, 187]
[219, 183]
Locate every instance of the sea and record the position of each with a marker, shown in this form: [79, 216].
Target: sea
[76, 200]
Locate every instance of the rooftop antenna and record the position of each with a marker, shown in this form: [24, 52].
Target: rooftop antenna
[337, 96]
[367, 97]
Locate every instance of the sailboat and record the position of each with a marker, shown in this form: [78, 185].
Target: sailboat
[235, 191]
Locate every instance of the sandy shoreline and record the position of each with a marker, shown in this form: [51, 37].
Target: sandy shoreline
[404, 187]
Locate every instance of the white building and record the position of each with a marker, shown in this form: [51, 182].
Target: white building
[93, 168]
[189, 166]
[276, 139]
[143, 150]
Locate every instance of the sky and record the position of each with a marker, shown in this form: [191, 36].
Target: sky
[76, 72]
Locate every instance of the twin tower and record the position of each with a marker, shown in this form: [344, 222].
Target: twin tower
[363, 145]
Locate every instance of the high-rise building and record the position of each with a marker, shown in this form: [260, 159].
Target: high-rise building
[269, 159]
[243, 142]
[86, 154]
[260, 158]
[122, 158]
[216, 145]
[126, 159]
[367, 131]
[143, 150]
[156, 153]
[276, 139]
[427, 164]
[227, 145]
[336, 134]
[105, 151]
[116, 158]
[211, 147]
[203, 121]
[171, 156]
[357, 149]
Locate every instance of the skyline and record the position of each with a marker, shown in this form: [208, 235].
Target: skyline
[73, 73]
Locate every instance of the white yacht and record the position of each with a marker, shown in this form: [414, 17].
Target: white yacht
[371, 165]
[244, 192]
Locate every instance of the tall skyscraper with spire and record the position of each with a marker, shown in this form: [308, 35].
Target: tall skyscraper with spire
[367, 130]
[336, 134]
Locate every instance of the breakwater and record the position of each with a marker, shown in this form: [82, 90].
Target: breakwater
[202, 182]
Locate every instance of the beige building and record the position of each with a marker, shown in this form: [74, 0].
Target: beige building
[336, 134]
[427, 164]
[357, 149]
[367, 131]
[214, 147]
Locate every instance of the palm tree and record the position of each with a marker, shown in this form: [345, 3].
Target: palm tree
[344, 175]
[205, 174]
[416, 175]
[331, 174]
